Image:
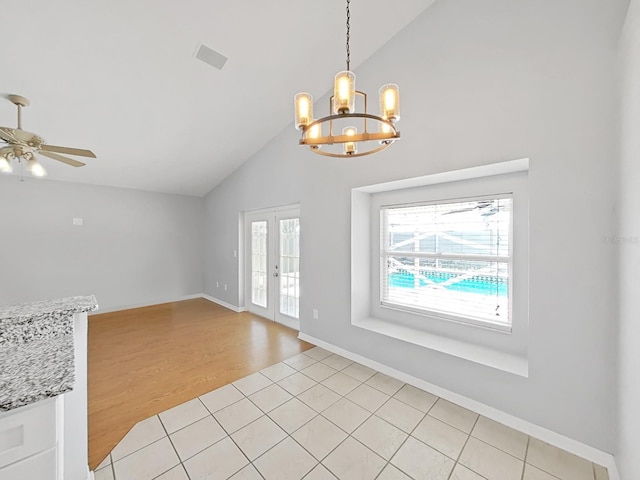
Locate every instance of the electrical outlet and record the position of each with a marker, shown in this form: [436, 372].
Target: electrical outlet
[225, 287]
[217, 284]
[315, 313]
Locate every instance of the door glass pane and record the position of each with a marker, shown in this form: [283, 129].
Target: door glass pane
[259, 263]
[289, 262]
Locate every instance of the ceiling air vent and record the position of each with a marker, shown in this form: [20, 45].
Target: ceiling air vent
[211, 57]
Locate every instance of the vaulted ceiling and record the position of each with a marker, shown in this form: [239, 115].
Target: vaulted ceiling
[120, 77]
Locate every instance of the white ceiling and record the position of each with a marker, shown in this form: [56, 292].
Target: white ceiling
[120, 77]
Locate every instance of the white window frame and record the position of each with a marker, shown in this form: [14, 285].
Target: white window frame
[449, 315]
[503, 350]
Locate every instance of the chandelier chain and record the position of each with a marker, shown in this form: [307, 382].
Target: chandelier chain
[348, 35]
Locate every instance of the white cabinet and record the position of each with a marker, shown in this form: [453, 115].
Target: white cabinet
[38, 467]
[44, 352]
[48, 440]
[29, 441]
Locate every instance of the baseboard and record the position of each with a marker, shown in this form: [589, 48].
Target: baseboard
[544, 434]
[144, 304]
[169, 300]
[223, 303]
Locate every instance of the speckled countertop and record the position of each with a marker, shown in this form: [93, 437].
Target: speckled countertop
[36, 349]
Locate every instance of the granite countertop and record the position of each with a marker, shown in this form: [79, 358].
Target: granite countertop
[36, 349]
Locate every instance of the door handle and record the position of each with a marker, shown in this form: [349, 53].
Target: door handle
[275, 274]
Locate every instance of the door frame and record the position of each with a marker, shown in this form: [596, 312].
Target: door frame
[286, 211]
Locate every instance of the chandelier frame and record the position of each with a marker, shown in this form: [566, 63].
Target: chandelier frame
[385, 139]
[350, 137]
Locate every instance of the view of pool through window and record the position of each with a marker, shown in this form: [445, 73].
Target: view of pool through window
[484, 286]
[451, 258]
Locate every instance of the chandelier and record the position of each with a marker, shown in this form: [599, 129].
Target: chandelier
[347, 132]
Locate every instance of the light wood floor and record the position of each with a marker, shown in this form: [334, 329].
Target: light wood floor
[145, 360]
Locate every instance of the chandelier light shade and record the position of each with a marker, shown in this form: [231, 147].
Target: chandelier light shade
[350, 147]
[304, 109]
[359, 132]
[344, 93]
[390, 102]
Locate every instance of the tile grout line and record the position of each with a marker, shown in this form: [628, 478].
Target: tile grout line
[540, 468]
[266, 414]
[229, 434]
[141, 448]
[174, 448]
[500, 449]
[156, 440]
[185, 426]
[457, 460]
[317, 414]
[526, 453]
[409, 434]
[263, 414]
[113, 467]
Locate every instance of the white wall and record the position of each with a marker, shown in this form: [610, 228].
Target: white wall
[480, 82]
[134, 248]
[628, 245]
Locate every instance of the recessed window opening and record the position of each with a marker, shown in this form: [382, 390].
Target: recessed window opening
[450, 259]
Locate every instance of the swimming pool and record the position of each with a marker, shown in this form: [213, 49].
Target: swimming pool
[484, 285]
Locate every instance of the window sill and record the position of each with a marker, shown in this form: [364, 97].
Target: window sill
[457, 348]
[471, 322]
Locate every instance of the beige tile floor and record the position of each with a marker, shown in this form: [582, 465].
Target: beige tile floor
[319, 416]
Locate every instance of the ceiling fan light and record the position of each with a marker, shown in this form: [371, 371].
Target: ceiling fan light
[35, 168]
[5, 166]
[304, 109]
[344, 92]
[390, 102]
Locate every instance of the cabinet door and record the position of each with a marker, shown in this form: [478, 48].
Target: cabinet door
[27, 430]
[41, 466]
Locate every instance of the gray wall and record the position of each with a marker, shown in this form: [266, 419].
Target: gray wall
[480, 82]
[135, 247]
[256, 184]
[628, 246]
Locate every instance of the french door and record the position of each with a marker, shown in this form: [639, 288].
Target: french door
[272, 279]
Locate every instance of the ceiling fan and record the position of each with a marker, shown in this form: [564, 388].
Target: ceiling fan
[23, 146]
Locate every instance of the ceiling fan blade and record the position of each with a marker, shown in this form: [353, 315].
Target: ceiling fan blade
[60, 158]
[7, 134]
[70, 151]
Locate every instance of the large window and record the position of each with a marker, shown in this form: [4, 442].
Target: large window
[442, 262]
[449, 258]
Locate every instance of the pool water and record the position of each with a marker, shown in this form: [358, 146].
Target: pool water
[469, 285]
